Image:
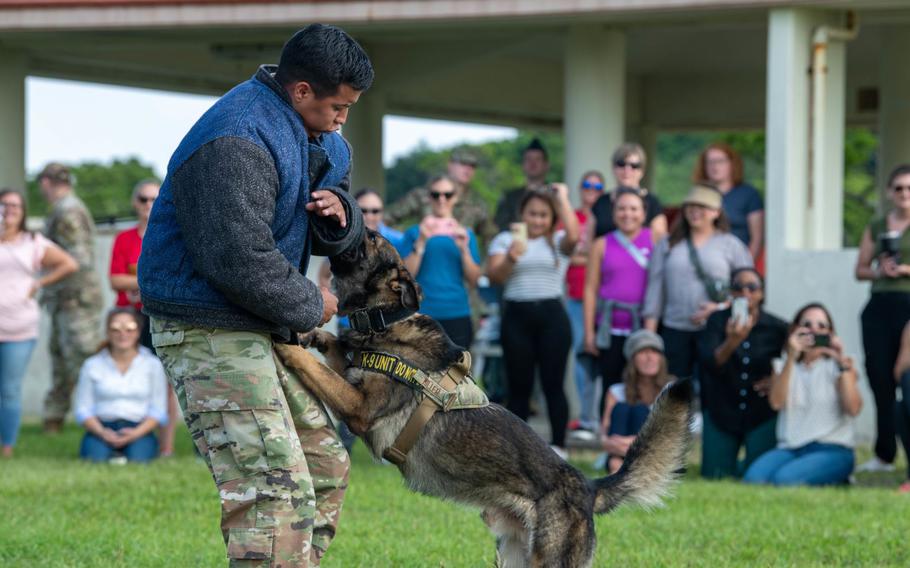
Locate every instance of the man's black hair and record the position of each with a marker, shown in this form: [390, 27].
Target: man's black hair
[325, 57]
[536, 144]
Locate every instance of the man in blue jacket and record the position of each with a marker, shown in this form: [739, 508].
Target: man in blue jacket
[258, 183]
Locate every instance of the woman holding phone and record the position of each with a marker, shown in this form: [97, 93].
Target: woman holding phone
[884, 258]
[444, 258]
[530, 261]
[814, 387]
[735, 353]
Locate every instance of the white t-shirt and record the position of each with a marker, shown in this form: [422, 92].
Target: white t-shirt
[20, 265]
[103, 391]
[539, 274]
[813, 412]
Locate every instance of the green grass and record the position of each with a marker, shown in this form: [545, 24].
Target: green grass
[57, 511]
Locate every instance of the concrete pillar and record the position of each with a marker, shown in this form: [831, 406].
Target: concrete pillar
[595, 98]
[364, 131]
[12, 119]
[894, 104]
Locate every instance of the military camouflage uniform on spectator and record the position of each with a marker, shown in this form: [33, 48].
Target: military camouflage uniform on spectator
[470, 210]
[74, 303]
[252, 421]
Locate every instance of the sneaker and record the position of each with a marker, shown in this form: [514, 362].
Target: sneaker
[561, 452]
[117, 460]
[582, 435]
[875, 465]
[904, 488]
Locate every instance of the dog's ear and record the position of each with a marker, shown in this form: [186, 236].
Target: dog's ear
[406, 287]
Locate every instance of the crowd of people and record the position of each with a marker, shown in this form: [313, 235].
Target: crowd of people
[634, 299]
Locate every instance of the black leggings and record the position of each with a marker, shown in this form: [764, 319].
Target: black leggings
[537, 335]
[883, 323]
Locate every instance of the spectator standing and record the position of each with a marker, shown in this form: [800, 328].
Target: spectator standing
[884, 258]
[902, 407]
[629, 162]
[74, 303]
[736, 358]
[220, 294]
[535, 164]
[615, 285]
[688, 276]
[121, 397]
[591, 187]
[28, 262]
[815, 389]
[470, 209]
[628, 403]
[721, 166]
[444, 258]
[126, 249]
[536, 334]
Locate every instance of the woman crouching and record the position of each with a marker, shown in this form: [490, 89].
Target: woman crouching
[121, 397]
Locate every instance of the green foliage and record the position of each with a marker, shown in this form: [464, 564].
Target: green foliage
[105, 188]
[61, 512]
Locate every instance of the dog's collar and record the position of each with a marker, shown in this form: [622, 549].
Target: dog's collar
[377, 319]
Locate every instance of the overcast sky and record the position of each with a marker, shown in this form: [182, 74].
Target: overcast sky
[73, 122]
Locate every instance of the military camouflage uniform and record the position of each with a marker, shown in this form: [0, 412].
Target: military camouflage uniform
[74, 303]
[470, 210]
[279, 466]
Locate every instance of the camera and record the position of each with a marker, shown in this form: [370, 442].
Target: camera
[822, 340]
[889, 243]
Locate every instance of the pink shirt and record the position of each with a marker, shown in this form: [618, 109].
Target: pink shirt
[20, 265]
[622, 278]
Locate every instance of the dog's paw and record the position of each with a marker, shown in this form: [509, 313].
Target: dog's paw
[317, 339]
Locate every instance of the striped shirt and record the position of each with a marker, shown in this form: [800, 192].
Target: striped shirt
[539, 273]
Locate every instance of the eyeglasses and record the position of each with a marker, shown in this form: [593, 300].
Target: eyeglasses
[437, 195]
[898, 188]
[741, 286]
[372, 211]
[588, 185]
[623, 164]
[815, 324]
[142, 199]
[10, 205]
[123, 328]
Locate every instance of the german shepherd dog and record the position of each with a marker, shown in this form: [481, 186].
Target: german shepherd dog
[539, 507]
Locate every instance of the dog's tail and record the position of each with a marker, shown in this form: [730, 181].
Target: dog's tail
[653, 460]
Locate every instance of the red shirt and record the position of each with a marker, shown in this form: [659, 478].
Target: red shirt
[575, 275]
[125, 258]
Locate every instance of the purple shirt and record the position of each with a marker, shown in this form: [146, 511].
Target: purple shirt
[621, 278]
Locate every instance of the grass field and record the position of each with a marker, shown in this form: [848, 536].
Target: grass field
[57, 511]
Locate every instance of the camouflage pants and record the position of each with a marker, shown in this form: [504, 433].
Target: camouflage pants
[279, 466]
[75, 335]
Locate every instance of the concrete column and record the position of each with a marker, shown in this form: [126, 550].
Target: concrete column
[364, 131]
[595, 98]
[894, 104]
[12, 119]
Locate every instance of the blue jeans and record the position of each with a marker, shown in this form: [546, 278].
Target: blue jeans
[585, 373]
[14, 358]
[627, 419]
[813, 464]
[95, 449]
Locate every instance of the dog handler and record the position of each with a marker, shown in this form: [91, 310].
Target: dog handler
[257, 183]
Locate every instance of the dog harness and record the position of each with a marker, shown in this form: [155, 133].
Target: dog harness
[451, 389]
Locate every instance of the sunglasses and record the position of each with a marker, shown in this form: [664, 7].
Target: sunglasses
[372, 211]
[142, 199]
[815, 324]
[123, 327]
[437, 195]
[898, 188]
[588, 185]
[750, 286]
[622, 164]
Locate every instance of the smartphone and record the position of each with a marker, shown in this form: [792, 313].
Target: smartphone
[519, 232]
[739, 309]
[822, 340]
[441, 226]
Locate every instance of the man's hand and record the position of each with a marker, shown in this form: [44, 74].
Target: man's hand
[329, 305]
[326, 204]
